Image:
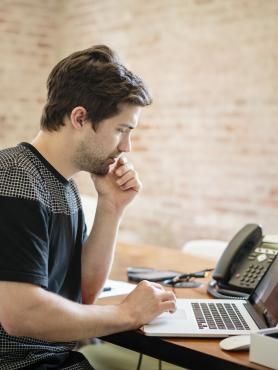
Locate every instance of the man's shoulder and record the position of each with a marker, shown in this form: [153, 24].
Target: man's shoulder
[25, 176]
[10, 156]
[18, 173]
[15, 157]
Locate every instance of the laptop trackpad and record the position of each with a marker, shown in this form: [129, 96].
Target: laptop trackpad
[180, 314]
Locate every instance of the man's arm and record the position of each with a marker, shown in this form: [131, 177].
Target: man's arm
[115, 191]
[98, 252]
[28, 310]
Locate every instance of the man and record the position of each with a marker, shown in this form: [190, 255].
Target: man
[50, 271]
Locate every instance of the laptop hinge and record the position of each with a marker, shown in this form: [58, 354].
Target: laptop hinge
[260, 321]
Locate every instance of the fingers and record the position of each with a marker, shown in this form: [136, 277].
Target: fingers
[157, 285]
[127, 176]
[169, 306]
[122, 166]
[121, 160]
[147, 301]
[129, 180]
[166, 299]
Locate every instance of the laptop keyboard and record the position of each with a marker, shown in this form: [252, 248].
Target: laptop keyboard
[221, 316]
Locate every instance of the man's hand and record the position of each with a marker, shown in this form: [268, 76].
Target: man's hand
[147, 301]
[118, 188]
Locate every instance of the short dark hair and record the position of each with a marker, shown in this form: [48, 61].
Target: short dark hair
[95, 79]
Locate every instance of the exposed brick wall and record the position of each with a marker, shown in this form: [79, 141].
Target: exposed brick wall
[206, 149]
[27, 52]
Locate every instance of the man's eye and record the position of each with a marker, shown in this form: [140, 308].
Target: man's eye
[121, 130]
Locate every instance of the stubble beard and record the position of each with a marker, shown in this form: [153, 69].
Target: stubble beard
[91, 161]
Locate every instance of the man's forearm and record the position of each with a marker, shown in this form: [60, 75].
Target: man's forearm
[98, 251]
[47, 316]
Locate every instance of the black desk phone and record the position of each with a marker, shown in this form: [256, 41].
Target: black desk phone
[243, 263]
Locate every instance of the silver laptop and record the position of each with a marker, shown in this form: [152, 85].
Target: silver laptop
[222, 317]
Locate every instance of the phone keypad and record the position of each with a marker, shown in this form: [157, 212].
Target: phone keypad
[251, 272]
[252, 275]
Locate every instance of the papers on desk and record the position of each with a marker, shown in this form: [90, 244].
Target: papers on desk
[114, 287]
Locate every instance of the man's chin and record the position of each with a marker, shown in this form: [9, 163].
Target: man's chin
[101, 171]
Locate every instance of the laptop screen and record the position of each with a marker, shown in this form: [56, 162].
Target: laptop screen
[265, 296]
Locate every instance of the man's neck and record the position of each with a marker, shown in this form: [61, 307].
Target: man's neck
[57, 150]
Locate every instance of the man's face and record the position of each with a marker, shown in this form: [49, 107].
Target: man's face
[99, 149]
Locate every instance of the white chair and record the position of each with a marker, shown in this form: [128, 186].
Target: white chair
[209, 248]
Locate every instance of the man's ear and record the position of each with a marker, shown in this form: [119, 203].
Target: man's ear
[78, 117]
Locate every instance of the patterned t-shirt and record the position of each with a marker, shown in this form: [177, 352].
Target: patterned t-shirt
[42, 231]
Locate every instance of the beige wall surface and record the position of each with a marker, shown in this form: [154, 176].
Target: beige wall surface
[206, 149]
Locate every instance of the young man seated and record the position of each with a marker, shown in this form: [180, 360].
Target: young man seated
[51, 269]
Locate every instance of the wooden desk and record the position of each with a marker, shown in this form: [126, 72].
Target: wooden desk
[190, 353]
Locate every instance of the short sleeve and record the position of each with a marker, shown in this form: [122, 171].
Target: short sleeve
[24, 241]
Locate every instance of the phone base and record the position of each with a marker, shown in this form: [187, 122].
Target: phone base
[218, 292]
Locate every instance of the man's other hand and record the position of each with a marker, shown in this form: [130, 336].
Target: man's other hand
[147, 301]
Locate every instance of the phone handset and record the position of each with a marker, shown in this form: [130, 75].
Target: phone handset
[235, 253]
[240, 245]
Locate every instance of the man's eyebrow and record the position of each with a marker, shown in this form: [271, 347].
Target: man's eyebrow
[126, 125]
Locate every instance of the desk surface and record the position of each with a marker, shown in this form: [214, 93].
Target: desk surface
[192, 353]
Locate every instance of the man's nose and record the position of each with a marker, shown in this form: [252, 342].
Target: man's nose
[125, 145]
